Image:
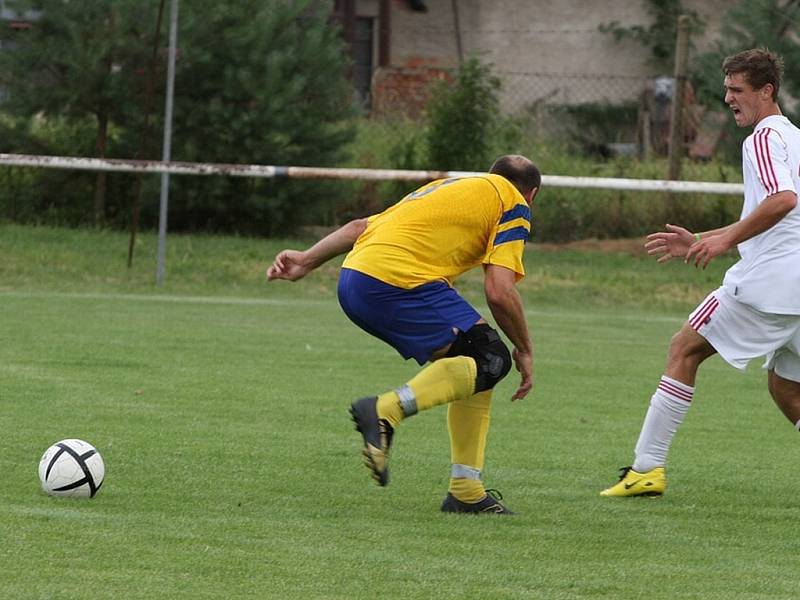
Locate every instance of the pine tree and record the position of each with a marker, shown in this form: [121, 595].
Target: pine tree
[78, 63]
[258, 83]
[261, 82]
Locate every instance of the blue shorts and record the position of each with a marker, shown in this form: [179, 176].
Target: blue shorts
[415, 322]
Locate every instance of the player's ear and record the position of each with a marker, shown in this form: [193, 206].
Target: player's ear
[532, 195]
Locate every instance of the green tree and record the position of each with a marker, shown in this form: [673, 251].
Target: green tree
[660, 34]
[773, 24]
[461, 119]
[258, 83]
[79, 61]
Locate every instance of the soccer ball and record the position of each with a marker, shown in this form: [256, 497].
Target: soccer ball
[71, 468]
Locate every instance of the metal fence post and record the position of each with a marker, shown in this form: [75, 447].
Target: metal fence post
[162, 216]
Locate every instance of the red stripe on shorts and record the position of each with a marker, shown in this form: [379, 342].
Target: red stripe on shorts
[704, 313]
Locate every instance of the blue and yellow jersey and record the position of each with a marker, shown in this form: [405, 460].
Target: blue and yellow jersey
[444, 229]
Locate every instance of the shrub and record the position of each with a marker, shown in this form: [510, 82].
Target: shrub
[560, 214]
[461, 118]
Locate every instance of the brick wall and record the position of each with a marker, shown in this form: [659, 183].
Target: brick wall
[404, 89]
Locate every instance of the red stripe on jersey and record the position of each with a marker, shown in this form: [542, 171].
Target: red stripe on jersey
[703, 313]
[769, 163]
[760, 159]
[765, 168]
[673, 390]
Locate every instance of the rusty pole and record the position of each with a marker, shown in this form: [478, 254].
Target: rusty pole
[676, 118]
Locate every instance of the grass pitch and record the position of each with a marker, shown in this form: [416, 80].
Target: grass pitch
[219, 404]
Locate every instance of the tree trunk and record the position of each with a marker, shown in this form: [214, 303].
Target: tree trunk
[100, 181]
[143, 143]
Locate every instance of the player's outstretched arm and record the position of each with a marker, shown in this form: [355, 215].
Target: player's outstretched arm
[672, 243]
[506, 306]
[771, 210]
[295, 264]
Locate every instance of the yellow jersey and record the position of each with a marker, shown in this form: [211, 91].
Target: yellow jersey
[443, 229]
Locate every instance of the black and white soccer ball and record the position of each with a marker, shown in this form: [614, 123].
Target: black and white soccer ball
[72, 468]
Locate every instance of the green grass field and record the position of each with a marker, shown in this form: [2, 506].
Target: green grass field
[219, 404]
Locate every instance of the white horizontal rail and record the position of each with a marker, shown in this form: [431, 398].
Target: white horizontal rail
[644, 185]
[271, 171]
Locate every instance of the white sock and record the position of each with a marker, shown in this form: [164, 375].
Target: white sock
[668, 407]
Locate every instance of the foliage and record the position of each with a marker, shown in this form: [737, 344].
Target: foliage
[659, 37]
[266, 83]
[409, 150]
[461, 116]
[745, 24]
[53, 196]
[78, 60]
[755, 23]
[561, 214]
[773, 24]
[256, 82]
[459, 132]
[586, 129]
[78, 63]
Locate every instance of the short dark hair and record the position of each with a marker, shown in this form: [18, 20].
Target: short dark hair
[519, 170]
[760, 67]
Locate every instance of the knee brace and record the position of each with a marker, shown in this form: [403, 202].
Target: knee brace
[483, 344]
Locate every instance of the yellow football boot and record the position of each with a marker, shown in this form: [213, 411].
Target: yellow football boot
[632, 483]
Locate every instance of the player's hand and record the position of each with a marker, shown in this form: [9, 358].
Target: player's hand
[703, 251]
[672, 243]
[289, 264]
[524, 363]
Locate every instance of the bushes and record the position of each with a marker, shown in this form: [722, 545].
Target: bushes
[560, 214]
[256, 83]
[53, 196]
[271, 90]
[464, 131]
[461, 119]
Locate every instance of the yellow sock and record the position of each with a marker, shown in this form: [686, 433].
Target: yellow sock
[443, 381]
[446, 380]
[389, 408]
[468, 424]
[467, 490]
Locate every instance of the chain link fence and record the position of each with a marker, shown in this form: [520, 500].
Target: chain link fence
[591, 115]
[603, 116]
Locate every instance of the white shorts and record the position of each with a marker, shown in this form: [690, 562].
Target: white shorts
[740, 333]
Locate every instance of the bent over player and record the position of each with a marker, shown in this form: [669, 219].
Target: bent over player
[756, 311]
[396, 284]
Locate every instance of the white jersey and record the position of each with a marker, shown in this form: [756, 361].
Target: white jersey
[768, 275]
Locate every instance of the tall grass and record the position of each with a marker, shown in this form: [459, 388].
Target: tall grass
[561, 214]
